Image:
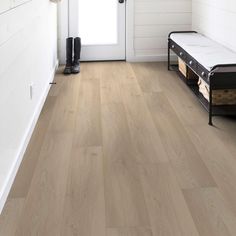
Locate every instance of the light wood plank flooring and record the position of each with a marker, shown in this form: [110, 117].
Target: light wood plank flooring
[124, 150]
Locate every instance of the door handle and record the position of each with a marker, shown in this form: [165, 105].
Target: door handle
[121, 1]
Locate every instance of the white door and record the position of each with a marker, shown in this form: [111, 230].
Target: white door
[101, 26]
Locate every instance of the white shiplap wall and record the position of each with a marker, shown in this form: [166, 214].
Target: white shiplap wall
[28, 56]
[153, 20]
[216, 19]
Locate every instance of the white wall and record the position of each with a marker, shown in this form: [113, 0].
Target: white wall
[216, 19]
[28, 56]
[153, 20]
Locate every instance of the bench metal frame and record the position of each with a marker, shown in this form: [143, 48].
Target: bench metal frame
[216, 80]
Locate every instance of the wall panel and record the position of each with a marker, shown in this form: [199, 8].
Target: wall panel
[28, 56]
[216, 19]
[153, 20]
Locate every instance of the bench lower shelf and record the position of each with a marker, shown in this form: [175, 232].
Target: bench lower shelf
[217, 110]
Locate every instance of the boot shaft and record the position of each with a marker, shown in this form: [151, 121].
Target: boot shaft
[77, 48]
[69, 51]
[69, 55]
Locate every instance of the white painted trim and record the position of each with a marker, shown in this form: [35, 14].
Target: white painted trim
[130, 52]
[157, 58]
[63, 29]
[25, 142]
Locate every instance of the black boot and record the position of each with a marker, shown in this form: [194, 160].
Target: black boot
[77, 50]
[69, 52]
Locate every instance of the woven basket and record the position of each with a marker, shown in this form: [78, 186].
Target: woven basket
[182, 67]
[219, 97]
[186, 71]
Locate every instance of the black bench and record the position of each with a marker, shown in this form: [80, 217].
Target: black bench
[212, 62]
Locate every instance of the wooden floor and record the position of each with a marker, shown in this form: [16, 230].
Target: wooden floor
[125, 150]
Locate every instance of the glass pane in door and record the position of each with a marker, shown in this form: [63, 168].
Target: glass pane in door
[98, 21]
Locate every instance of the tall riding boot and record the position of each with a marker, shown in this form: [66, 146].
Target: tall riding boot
[77, 50]
[69, 52]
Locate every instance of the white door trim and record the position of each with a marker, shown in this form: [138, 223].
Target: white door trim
[63, 29]
[130, 30]
[63, 23]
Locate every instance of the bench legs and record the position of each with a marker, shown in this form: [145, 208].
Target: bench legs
[169, 55]
[210, 119]
[170, 66]
[210, 106]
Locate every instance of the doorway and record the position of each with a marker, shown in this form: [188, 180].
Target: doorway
[101, 26]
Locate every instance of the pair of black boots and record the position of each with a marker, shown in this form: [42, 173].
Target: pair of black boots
[72, 66]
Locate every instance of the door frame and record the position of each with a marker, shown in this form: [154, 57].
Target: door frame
[63, 29]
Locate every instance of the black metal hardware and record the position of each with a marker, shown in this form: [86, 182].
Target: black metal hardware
[53, 83]
[210, 104]
[121, 1]
[180, 32]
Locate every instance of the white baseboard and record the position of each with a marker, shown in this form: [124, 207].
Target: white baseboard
[156, 58]
[137, 58]
[25, 142]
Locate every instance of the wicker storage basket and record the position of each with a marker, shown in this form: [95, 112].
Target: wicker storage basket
[182, 67]
[219, 97]
[186, 71]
